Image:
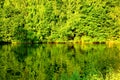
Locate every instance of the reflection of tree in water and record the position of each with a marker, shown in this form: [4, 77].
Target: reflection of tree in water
[109, 61]
[22, 51]
[55, 68]
[59, 61]
[100, 60]
[2, 3]
[0, 39]
[71, 48]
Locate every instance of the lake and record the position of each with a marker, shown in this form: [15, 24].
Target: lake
[59, 62]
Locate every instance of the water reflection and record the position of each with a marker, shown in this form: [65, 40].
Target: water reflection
[59, 62]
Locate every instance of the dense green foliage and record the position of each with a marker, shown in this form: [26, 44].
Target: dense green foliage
[59, 20]
[59, 62]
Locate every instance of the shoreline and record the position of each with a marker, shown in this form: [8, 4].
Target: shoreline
[62, 42]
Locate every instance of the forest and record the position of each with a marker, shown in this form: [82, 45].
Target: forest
[59, 20]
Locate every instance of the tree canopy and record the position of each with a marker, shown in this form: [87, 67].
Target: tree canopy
[59, 20]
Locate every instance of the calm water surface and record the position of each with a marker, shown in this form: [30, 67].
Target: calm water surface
[59, 62]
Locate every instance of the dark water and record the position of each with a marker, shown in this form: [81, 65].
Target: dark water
[59, 62]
